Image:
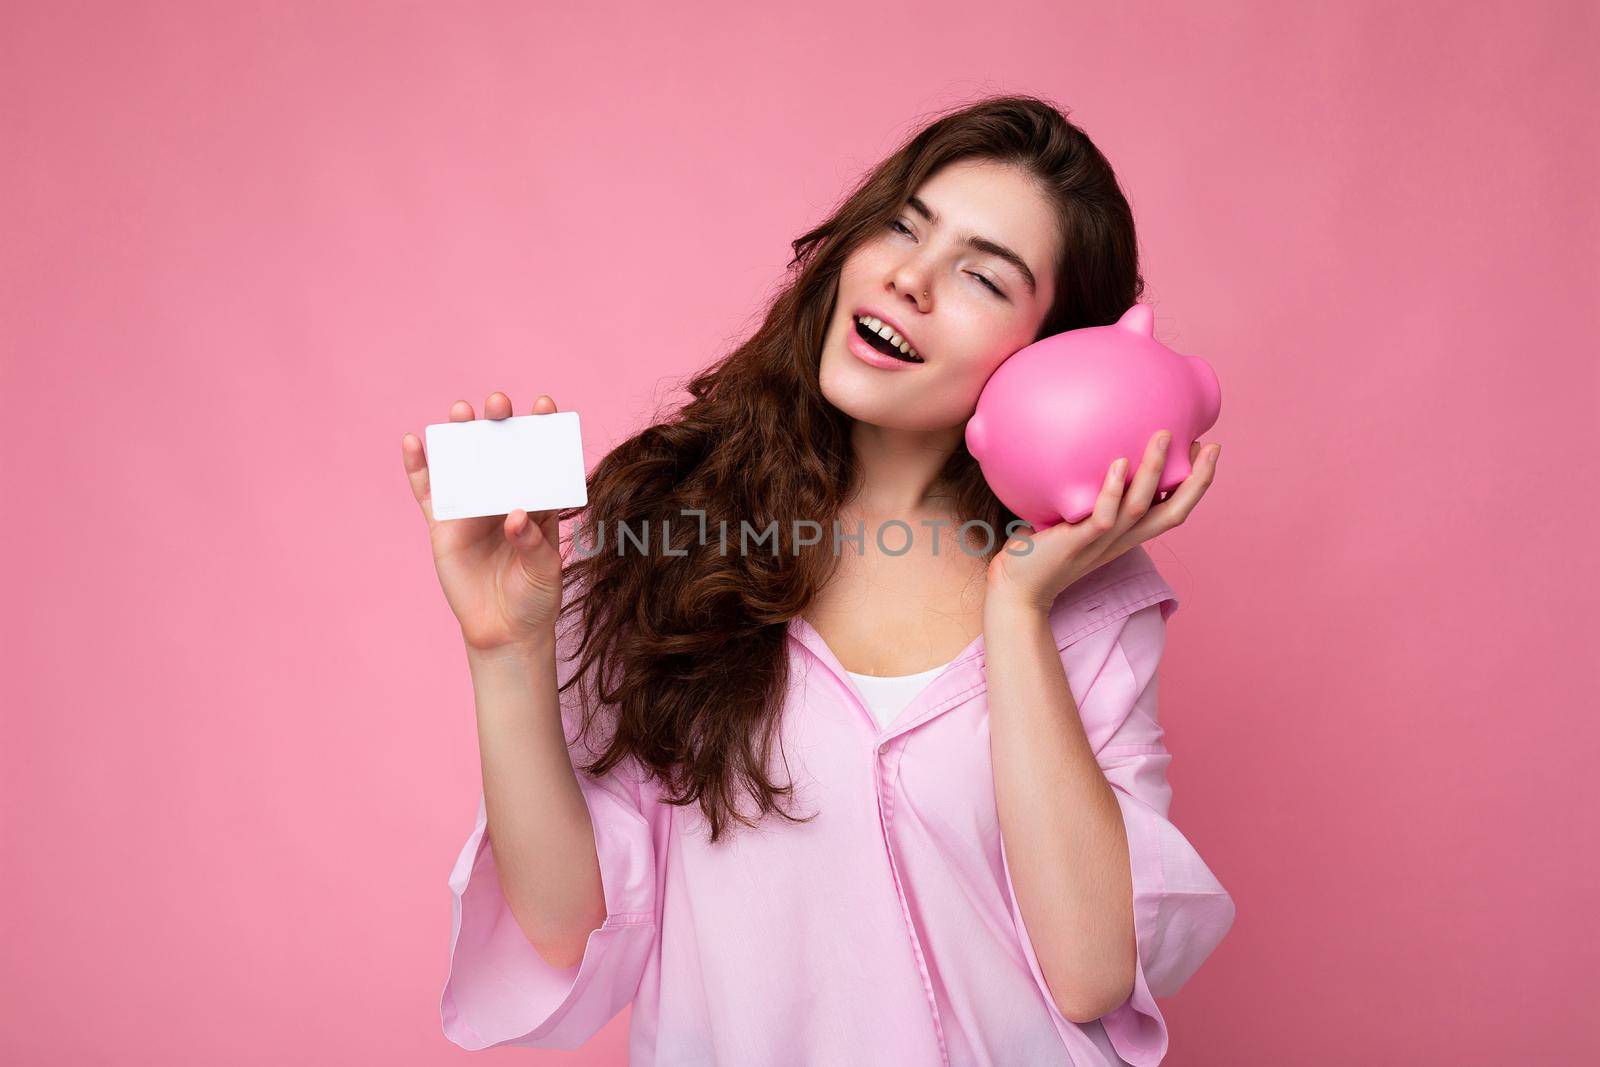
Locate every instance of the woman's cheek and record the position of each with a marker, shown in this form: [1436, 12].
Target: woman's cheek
[954, 392]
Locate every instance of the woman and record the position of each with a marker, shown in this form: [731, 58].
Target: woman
[710, 798]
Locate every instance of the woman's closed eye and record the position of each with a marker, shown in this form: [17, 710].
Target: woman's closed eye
[991, 285]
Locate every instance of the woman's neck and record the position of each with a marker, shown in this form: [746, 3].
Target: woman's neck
[897, 471]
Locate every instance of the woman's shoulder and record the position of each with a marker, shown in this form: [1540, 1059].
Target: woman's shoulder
[1109, 593]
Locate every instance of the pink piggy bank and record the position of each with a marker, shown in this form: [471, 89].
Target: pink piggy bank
[1056, 414]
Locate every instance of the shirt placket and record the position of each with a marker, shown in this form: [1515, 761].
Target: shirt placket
[890, 748]
[884, 771]
[886, 767]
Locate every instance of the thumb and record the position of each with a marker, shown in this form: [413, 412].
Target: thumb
[529, 538]
[523, 533]
[549, 523]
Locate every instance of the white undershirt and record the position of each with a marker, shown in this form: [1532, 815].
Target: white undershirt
[887, 697]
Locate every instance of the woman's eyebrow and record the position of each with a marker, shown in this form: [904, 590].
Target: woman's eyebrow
[982, 244]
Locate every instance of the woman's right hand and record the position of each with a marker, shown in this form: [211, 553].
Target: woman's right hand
[501, 574]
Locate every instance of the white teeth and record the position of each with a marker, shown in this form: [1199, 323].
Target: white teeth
[877, 326]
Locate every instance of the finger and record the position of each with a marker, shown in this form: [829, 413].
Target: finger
[1097, 530]
[1137, 500]
[549, 522]
[497, 406]
[519, 528]
[1069, 538]
[1192, 488]
[416, 464]
[461, 411]
[1175, 509]
[1104, 515]
[527, 530]
[1163, 495]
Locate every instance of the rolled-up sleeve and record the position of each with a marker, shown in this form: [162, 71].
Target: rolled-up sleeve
[1180, 911]
[500, 991]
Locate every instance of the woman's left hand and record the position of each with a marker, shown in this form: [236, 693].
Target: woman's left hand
[1065, 552]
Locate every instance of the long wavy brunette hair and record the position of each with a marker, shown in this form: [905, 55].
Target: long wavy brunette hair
[687, 651]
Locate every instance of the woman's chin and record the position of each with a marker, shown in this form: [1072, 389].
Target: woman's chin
[870, 396]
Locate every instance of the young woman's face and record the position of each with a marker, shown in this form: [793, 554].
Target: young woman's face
[962, 309]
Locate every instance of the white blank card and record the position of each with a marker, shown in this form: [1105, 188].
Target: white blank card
[492, 466]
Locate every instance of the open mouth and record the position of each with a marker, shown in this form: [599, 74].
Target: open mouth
[883, 344]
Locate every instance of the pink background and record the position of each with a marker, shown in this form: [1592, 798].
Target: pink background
[247, 246]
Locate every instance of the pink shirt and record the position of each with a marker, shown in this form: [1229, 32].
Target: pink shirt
[886, 929]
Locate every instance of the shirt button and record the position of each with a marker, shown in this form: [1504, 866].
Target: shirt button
[883, 748]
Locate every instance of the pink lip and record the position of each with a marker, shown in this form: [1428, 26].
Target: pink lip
[871, 356]
[891, 323]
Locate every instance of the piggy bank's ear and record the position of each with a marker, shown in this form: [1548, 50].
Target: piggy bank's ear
[1140, 319]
